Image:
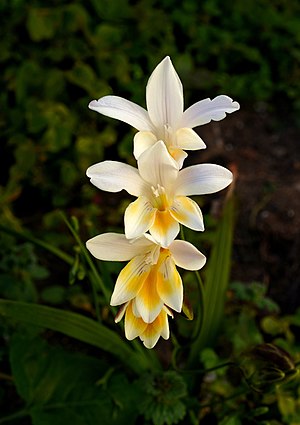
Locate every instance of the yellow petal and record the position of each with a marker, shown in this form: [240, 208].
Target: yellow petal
[134, 326]
[187, 212]
[164, 229]
[147, 302]
[130, 280]
[169, 283]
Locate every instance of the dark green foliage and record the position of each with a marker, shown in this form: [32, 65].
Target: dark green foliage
[163, 396]
[63, 388]
[57, 56]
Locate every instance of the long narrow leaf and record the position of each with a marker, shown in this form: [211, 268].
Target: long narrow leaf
[216, 281]
[75, 326]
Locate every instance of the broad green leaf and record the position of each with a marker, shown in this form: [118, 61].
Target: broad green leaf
[75, 326]
[62, 387]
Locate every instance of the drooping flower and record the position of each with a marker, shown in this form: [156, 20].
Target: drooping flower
[149, 287]
[165, 118]
[162, 192]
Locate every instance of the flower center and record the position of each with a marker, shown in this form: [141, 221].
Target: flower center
[160, 198]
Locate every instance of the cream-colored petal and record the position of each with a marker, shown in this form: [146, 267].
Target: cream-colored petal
[134, 326]
[147, 301]
[165, 228]
[121, 312]
[202, 179]
[114, 176]
[169, 284]
[154, 330]
[165, 332]
[206, 110]
[123, 110]
[187, 212]
[188, 139]
[156, 166]
[187, 255]
[130, 280]
[164, 95]
[142, 141]
[139, 217]
[178, 154]
[116, 247]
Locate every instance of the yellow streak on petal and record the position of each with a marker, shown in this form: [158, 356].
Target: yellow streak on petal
[169, 283]
[147, 302]
[130, 280]
[187, 212]
[134, 326]
[165, 228]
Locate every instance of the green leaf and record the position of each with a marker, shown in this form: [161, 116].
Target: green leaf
[62, 388]
[162, 397]
[75, 326]
[216, 283]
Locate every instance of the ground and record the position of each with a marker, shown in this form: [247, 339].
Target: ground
[265, 155]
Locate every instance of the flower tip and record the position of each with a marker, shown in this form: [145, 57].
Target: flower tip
[236, 105]
[93, 104]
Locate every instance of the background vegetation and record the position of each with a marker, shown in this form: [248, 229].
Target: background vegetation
[55, 57]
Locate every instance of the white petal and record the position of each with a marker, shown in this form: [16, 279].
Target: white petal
[186, 255]
[156, 166]
[142, 141]
[165, 332]
[130, 280]
[206, 110]
[202, 179]
[164, 96]
[123, 110]
[116, 247]
[139, 217]
[188, 139]
[114, 176]
[187, 212]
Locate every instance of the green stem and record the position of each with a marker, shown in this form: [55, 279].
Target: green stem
[14, 416]
[200, 317]
[88, 259]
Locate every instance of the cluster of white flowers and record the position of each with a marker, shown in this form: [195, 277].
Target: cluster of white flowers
[149, 288]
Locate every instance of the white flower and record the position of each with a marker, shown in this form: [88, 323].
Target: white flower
[149, 285]
[162, 191]
[165, 118]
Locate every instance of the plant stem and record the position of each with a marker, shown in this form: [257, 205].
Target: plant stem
[14, 416]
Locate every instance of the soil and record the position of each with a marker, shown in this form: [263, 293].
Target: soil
[266, 160]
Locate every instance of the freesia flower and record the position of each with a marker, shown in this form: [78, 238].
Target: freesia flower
[149, 286]
[165, 118]
[162, 192]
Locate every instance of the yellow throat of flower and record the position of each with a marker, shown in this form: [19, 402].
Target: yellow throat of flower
[160, 199]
